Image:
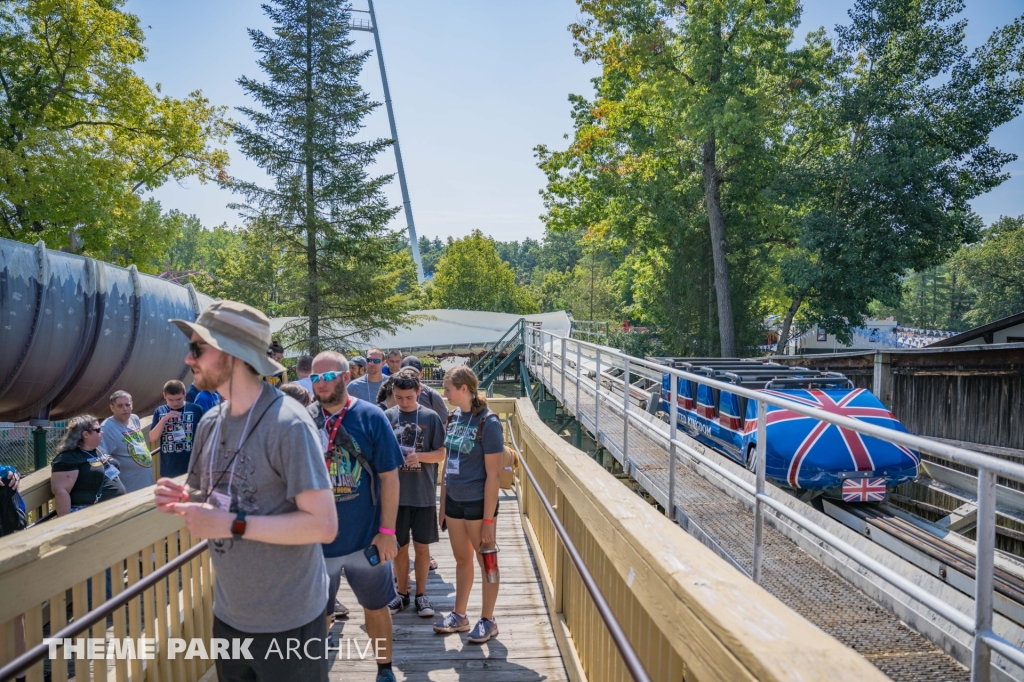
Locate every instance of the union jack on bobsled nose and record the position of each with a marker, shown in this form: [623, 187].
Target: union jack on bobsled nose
[806, 453]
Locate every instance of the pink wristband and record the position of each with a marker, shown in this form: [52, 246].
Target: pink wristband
[386, 531]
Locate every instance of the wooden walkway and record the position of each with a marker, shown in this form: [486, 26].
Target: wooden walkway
[524, 651]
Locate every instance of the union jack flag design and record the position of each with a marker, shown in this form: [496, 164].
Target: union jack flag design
[802, 452]
[864, 490]
[861, 453]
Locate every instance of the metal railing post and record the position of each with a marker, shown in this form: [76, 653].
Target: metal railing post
[761, 455]
[579, 359]
[563, 371]
[551, 361]
[625, 409]
[597, 400]
[673, 410]
[985, 548]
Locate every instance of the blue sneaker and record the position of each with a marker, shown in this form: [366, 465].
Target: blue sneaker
[484, 630]
[386, 675]
[452, 623]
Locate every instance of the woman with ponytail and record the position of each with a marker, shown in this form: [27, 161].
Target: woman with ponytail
[469, 497]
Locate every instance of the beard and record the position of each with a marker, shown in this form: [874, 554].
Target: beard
[335, 399]
[212, 378]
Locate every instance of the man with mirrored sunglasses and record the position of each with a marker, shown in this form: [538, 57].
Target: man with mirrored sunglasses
[362, 458]
[367, 386]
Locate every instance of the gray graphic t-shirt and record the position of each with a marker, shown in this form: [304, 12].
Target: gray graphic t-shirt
[465, 473]
[261, 587]
[364, 389]
[129, 448]
[420, 431]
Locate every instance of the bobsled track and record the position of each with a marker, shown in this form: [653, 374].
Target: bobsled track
[73, 327]
[895, 587]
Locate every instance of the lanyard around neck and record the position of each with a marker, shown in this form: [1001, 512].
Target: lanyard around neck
[337, 417]
[241, 441]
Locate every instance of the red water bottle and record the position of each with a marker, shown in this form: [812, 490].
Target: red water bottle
[490, 556]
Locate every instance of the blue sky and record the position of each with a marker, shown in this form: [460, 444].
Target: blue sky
[476, 86]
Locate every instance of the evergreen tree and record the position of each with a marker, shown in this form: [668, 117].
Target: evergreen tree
[324, 209]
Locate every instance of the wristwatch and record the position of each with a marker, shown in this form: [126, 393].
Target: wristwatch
[238, 526]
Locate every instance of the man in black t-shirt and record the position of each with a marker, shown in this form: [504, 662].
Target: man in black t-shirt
[420, 435]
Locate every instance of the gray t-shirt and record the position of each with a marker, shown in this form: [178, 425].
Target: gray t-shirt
[428, 397]
[260, 587]
[128, 446]
[465, 473]
[423, 431]
[364, 389]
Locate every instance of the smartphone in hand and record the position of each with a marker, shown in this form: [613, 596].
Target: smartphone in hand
[372, 555]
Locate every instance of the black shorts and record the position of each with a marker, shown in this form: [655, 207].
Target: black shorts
[421, 521]
[470, 511]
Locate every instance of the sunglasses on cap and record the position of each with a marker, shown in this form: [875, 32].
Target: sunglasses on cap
[375, 361]
[326, 376]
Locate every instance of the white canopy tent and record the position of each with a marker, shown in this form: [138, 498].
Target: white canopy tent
[436, 331]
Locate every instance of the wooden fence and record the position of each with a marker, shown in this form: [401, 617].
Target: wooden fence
[973, 394]
[47, 573]
[688, 614]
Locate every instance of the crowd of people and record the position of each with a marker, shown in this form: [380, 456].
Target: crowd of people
[298, 483]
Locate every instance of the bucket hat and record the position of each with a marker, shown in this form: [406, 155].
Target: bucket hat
[237, 329]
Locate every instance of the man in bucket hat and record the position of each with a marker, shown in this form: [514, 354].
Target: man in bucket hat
[257, 488]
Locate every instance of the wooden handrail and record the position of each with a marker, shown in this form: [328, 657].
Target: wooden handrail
[684, 610]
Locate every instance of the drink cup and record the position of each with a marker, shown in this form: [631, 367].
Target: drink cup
[490, 556]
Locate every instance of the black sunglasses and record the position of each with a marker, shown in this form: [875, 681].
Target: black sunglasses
[92, 429]
[196, 349]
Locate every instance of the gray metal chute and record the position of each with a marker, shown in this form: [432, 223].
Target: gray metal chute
[74, 329]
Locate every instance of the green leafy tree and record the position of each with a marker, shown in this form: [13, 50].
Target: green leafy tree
[588, 291]
[891, 152]
[672, 156]
[472, 276]
[82, 136]
[255, 269]
[523, 257]
[994, 271]
[196, 249]
[324, 211]
[431, 251]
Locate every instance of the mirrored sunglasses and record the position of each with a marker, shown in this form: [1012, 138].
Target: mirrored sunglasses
[375, 361]
[326, 376]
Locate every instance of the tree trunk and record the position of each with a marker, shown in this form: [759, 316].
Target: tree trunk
[713, 199]
[313, 286]
[787, 322]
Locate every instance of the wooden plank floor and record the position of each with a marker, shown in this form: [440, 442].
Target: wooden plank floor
[524, 651]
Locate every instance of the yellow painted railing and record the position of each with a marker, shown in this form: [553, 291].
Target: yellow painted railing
[688, 614]
[46, 571]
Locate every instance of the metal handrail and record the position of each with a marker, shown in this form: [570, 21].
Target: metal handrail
[22, 663]
[980, 627]
[629, 656]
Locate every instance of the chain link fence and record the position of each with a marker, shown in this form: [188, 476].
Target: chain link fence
[16, 448]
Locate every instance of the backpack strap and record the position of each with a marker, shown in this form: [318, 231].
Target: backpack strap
[480, 424]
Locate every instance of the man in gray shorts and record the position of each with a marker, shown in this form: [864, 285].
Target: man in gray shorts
[362, 463]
